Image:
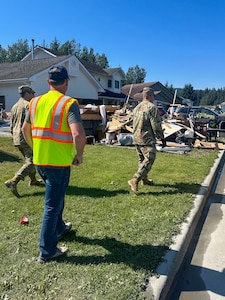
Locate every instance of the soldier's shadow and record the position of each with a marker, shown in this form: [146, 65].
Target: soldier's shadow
[137, 256]
[4, 156]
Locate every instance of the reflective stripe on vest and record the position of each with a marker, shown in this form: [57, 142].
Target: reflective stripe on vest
[54, 132]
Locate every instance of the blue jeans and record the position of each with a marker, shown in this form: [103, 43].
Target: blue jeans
[56, 181]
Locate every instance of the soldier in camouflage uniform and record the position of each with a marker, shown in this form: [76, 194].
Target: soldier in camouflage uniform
[18, 114]
[146, 128]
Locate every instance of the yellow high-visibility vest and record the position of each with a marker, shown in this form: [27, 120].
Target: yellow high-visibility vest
[52, 139]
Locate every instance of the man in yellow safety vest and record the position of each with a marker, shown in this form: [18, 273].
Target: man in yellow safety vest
[53, 129]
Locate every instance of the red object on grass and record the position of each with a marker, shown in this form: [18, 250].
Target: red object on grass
[24, 220]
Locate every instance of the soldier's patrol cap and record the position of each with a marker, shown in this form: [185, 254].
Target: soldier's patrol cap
[25, 89]
[148, 90]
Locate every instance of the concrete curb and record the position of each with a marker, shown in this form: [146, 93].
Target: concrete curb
[160, 286]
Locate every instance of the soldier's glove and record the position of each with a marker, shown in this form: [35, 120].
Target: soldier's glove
[163, 143]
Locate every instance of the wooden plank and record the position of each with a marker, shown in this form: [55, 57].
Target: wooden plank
[172, 144]
[112, 127]
[116, 122]
[209, 145]
[91, 116]
[128, 128]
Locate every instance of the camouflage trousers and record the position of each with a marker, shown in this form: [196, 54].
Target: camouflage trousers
[146, 158]
[28, 168]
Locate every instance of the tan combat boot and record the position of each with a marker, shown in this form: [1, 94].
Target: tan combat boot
[12, 185]
[147, 181]
[133, 185]
[34, 181]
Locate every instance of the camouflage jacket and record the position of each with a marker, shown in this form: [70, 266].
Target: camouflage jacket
[18, 113]
[146, 124]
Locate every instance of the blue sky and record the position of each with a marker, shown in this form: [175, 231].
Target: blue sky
[176, 41]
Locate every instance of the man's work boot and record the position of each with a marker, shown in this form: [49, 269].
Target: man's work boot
[12, 185]
[35, 182]
[133, 185]
[147, 181]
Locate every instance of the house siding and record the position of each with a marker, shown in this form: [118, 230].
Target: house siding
[82, 84]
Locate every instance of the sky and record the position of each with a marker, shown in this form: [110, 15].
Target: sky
[177, 42]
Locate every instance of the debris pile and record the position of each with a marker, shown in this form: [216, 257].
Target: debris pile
[115, 127]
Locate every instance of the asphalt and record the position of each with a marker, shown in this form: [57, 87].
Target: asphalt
[209, 253]
[4, 128]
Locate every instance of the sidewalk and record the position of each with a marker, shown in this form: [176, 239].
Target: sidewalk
[160, 286]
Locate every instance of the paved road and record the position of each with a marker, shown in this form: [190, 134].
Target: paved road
[203, 274]
[4, 129]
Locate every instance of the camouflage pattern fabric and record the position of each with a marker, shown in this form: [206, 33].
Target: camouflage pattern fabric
[146, 158]
[28, 168]
[147, 127]
[146, 124]
[18, 113]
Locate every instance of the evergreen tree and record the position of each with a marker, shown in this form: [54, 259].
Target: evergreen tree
[70, 48]
[101, 60]
[135, 75]
[3, 54]
[54, 45]
[17, 51]
[188, 92]
[84, 54]
[44, 44]
[170, 87]
[91, 56]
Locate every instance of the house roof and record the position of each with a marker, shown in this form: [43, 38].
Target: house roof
[136, 88]
[54, 52]
[26, 69]
[93, 68]
[109, 94]
[37, 48]
[111, 71]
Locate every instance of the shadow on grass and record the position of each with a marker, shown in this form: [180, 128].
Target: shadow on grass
[93, 192]
[4, 156]
[89, 192]
[166, 189]
[136, 256]
[172, 189]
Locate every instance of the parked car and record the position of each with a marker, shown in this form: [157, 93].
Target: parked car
[198, 114]
[205, 120]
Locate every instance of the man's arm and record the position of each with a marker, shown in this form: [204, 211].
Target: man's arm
[26, 130]
[79, 139]
[156, 123]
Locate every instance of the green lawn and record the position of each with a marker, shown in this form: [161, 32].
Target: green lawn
[118, 238]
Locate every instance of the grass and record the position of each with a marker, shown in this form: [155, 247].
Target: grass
[118, 238]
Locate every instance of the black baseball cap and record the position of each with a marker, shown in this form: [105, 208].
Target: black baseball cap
[58, 73]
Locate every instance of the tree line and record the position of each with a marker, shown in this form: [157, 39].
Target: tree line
[135, 74]
[206, 97]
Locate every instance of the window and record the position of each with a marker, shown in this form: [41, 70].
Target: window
[117, 84]
[206, 113]
[109, 83]
[2, 102]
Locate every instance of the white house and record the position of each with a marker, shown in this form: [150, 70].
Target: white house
[88, 82]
